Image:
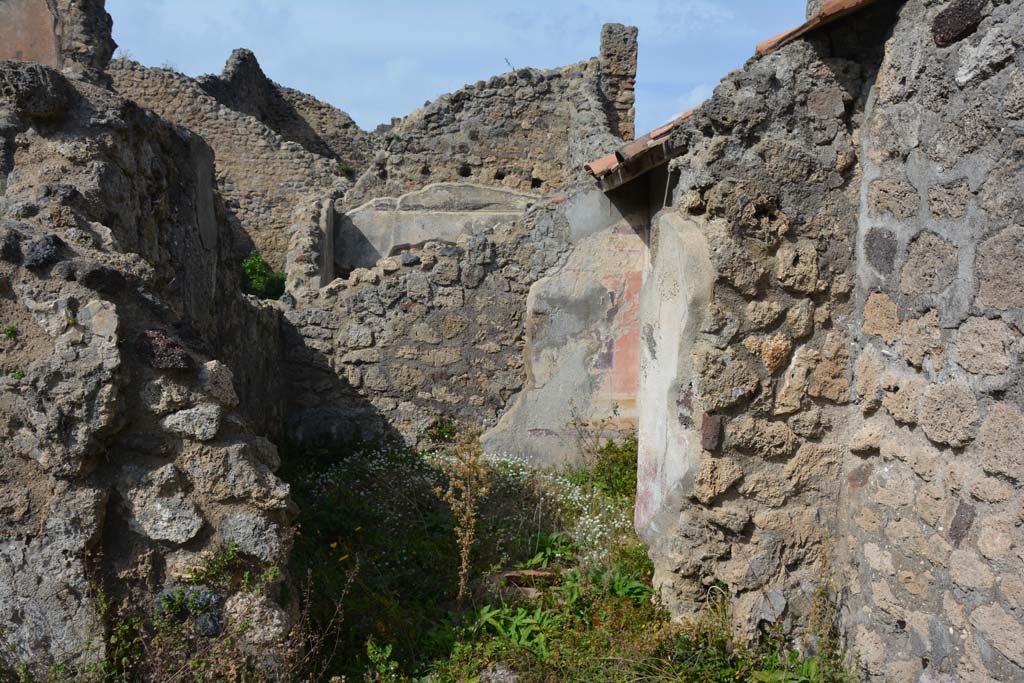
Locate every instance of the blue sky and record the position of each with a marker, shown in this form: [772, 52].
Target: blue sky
[385, 58]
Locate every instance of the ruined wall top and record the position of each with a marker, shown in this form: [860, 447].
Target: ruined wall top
[813, 6]
[521, 130]
[618, 77]
[317, 126]
[69, 34]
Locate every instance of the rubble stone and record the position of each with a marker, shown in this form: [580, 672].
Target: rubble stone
[931, 265]
[949, 414]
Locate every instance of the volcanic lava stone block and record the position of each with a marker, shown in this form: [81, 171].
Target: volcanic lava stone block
[957, 21]
[10, 244]
[163, 352]
[45, 251]
[33, 91]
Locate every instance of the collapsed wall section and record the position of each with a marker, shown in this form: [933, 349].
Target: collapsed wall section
[521, 130]
[433, 332]
[446, 285]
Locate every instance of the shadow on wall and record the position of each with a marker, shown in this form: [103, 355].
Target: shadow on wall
[324, 407]
[243, 87]
[355, 245]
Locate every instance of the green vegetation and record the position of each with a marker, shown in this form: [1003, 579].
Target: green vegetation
[442, 430]
[18, 374]
[558, 587]
[344, 170]
[259, 279]
[11, 332]
[448, 565]
[613, 471]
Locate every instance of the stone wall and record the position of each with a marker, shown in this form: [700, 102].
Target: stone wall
[69, 34]
[582, 339]
[516, 130]
[446, 286]
[125, 395]
[836, 405]
[618, 77]
[443, 212]
[432, 332]
[295, 116]
[932, 485]
[741, 446]
[261, 175]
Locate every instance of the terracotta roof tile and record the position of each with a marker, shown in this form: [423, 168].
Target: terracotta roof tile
[602, 166]
[612, 162]
[831, 11]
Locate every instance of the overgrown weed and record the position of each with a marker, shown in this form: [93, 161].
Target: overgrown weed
[549, 582]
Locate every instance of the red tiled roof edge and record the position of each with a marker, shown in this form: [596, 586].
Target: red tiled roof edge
[609, 162]
[831, 11]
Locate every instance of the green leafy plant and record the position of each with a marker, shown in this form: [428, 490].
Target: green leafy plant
[18, 374]
[259, 279]
[613, 469]
[219, 568]
[553, 549]
[442, 430]
[522, 627]
[345, 170]
[383, 669]
[558, 587]
[11, 332]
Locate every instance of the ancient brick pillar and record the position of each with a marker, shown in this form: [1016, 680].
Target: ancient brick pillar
[813, 6]
[618, 77]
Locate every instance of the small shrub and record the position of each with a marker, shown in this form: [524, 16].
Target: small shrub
[442, 430]
[344, 170]
[221, 569]
[18, 374]
[468, 482]
[11, 332]
[553, 550]
[383, 669]
[259, 279]
[613, 470]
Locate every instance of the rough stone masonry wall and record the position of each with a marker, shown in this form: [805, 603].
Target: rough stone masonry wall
[517, 130]
[128, 451]
[847, 248]
[438, 328]
[435, 331]
[296, 116]
[932, 486]
[262, 176]
[618, 77]
[745, 338]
